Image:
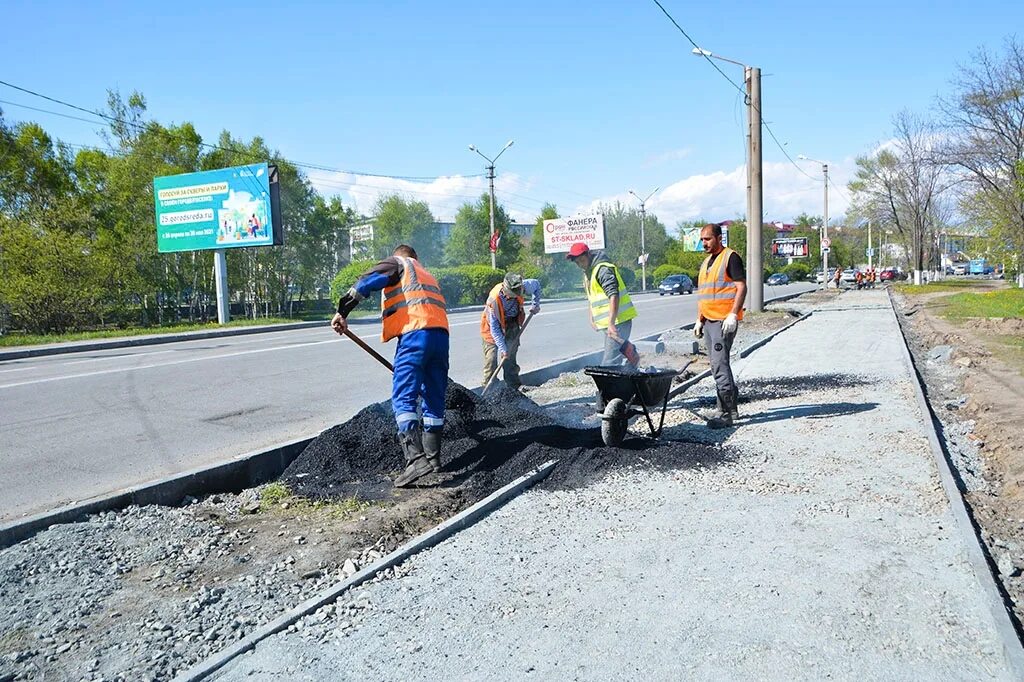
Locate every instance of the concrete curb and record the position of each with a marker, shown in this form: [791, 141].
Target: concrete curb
[970, 534]
[251, 468]
[426, 540]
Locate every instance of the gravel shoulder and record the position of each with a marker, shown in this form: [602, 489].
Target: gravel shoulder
[823, 546]
[978, 396]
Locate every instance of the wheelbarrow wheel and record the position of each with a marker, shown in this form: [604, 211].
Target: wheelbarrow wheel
[614, 422]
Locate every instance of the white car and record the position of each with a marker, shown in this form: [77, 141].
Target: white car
[849, 275]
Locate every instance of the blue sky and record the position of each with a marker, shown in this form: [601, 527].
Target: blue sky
[600, 97]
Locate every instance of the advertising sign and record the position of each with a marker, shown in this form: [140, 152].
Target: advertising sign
[561, 233]
[360, 241]
[219, 209]
[790, 248]
[691, 238]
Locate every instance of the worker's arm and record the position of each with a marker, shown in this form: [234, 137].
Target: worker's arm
[383, 274]
[531, 288]
[741, 295]
[496, 332]
[613, 312]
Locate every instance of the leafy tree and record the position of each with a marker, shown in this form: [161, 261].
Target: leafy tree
[398, 221]
[622, 236]
[559, 273]
[469, 241]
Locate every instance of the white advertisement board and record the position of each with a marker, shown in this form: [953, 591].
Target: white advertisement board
[561, 233]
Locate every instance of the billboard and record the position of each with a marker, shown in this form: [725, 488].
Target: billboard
[690, 237]
[790, 248]
[220, 209]
[561, 233]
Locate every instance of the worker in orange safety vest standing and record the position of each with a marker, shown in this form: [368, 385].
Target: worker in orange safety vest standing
[721, 291]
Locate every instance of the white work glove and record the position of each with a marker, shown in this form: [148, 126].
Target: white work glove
[729, 324]
[698, 329]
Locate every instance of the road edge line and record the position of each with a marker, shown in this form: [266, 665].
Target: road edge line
[435, 536]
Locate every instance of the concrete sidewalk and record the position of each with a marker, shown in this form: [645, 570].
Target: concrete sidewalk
[825, 547]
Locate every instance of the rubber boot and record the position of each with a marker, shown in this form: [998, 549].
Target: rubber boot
[416, 462]
[724, 418]
[432, 449]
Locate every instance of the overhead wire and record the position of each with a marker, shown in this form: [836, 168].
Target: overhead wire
[244, 152]
[717, 68]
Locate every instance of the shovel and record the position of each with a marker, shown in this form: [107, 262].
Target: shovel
[491, 380]
[362, 344]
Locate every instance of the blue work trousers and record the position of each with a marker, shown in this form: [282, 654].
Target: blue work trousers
[421, 371]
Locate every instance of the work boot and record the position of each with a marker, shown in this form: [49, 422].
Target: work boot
[432, 449]
[416, 461]
[722, 418]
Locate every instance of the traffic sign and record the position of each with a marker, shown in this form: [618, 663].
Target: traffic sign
[825, 249]
[825, 243]
[869, 252]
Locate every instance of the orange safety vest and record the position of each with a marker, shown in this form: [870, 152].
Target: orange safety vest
[415, 302]
[716, 291]
[494, 299]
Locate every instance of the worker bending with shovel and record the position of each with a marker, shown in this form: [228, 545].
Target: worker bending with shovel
[721, 290]
[502, 323]
[413, 311]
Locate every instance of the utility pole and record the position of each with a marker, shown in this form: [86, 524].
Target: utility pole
[755, 219]
[871, 252]
[824, 227]
[490, 177]
[494, 253]
[643, 241]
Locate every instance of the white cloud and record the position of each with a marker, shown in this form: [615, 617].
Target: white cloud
[444, 195]
[721, 195]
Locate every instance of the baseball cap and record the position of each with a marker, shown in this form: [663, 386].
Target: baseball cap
[577, 249]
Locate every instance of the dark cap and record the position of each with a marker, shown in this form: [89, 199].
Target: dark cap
[577, 250]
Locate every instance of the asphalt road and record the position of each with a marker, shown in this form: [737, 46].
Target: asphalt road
[80, 425]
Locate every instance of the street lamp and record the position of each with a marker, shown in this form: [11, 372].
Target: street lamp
[490, 176]
[824, 226]
[643, 243]
[755, 201]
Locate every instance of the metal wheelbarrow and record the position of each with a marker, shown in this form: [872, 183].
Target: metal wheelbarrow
[628, 393]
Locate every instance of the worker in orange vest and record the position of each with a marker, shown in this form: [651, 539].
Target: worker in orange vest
[413, 310]
[501, 323]
[858, 277]
[721, 290]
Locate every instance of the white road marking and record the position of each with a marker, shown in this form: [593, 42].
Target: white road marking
[116, 370]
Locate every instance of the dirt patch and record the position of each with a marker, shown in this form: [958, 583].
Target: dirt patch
[979, 400]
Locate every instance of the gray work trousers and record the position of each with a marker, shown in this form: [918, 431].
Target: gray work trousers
[612, 356]
[511, 364]
[719, 347]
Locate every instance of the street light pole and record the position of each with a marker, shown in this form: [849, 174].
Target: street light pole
[643, 241]
[755, 185]
[490, 178]
[824, 226]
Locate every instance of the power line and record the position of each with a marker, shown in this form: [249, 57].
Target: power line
[140, 126]
[717, 68]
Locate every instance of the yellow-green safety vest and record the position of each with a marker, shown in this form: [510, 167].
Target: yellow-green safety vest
[599, 302]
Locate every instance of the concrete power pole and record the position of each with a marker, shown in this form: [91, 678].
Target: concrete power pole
[494, 254]
[824, 227]
[755, 199]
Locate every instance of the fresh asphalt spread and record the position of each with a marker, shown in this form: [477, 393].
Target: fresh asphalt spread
[488, 442]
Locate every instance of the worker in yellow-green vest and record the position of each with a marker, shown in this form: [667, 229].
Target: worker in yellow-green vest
[611, 309]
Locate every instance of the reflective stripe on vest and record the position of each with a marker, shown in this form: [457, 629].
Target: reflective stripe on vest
[415, 302]
[600, 304]
[716, 291]
[494, 299]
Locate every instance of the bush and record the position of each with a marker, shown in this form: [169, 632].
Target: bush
[797, 271]
[628, 277]
[347, 276]
[667, 270]
[481, 280]
[453, 284]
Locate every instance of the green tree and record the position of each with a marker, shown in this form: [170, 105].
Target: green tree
[469, 241]
[559, 274]
[398, 221]
[622, 236]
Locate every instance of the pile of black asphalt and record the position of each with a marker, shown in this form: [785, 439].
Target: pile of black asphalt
[488, 442]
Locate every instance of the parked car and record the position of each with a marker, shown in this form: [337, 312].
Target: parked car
[778, 278]
[675, 284]
[849, 275]
[818, 278]
[890, 275]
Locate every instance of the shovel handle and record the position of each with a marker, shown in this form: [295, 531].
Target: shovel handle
[362, 344]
